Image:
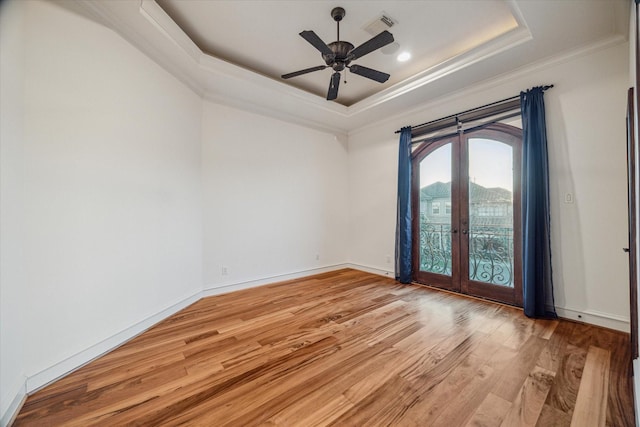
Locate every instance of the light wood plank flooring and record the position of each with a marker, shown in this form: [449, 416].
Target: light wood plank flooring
[349, 348]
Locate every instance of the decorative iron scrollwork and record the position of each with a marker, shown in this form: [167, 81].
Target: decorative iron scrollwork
[435, 248]
[491, 255]
[490, 252]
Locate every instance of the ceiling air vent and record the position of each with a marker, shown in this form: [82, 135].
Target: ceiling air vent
[387, 20]
[378, 25]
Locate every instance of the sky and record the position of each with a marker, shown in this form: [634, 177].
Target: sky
[490, 164]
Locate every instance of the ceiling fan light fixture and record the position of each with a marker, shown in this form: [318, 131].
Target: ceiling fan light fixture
[404, 56]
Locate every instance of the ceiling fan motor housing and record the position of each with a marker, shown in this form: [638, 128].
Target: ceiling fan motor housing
[340, 49]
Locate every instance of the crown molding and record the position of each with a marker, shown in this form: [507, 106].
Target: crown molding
[252, 107]
[149, 28]
[498, 81]
[123, 17]
[214, 68]
[167, 26]
[504, 42]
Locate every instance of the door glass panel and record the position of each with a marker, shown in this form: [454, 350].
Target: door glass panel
[490, 212]
[435, 211]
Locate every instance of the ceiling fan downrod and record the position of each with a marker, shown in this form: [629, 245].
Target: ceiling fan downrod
[337, 13]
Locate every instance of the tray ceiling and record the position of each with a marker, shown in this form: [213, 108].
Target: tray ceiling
[234, 51]
[262, 36]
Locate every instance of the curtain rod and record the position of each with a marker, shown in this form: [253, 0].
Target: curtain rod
[544, 88]
[480, 125]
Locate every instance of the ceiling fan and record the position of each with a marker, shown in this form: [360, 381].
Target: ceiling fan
[339, 54]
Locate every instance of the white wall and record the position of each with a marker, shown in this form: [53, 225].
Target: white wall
[587, 150]
[275, 196]
[112, 187]
[12, 298]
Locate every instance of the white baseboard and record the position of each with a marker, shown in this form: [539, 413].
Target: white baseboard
[17, 399]
[46, 376]
[636, 388]
[70, 364]
[372, 270]
[593, 317]
[212, 290]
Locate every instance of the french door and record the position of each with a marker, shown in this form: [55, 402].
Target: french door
[466, 210]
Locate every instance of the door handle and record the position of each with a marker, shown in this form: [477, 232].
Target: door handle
[464, 231]
[626, 250]
[454, 231]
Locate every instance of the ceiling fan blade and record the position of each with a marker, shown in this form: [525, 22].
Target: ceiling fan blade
[333, 86]
[369, 73]
[381, 40]
[305, 71]
[317, 42]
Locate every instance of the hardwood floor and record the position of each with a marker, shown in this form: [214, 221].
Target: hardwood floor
[349, 349]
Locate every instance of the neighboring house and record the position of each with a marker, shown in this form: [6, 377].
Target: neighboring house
[488, 206]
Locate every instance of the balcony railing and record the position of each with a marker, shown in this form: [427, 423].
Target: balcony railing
[435, 248]
[491, 255]
[490, 252]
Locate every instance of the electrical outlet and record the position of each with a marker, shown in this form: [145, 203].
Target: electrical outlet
[388, 259]
[568, 198]
[317, 257]
[225, 271]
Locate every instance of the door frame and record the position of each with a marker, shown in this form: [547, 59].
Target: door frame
[459, 280]
[511, 136]
[631, 199]
[452, 282]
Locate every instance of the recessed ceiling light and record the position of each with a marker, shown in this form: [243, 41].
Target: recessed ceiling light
[404, 57]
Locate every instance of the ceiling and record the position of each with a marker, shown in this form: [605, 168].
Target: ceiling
[262, 36]
[234, 52]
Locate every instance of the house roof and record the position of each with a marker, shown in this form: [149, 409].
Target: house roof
[478, 193]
